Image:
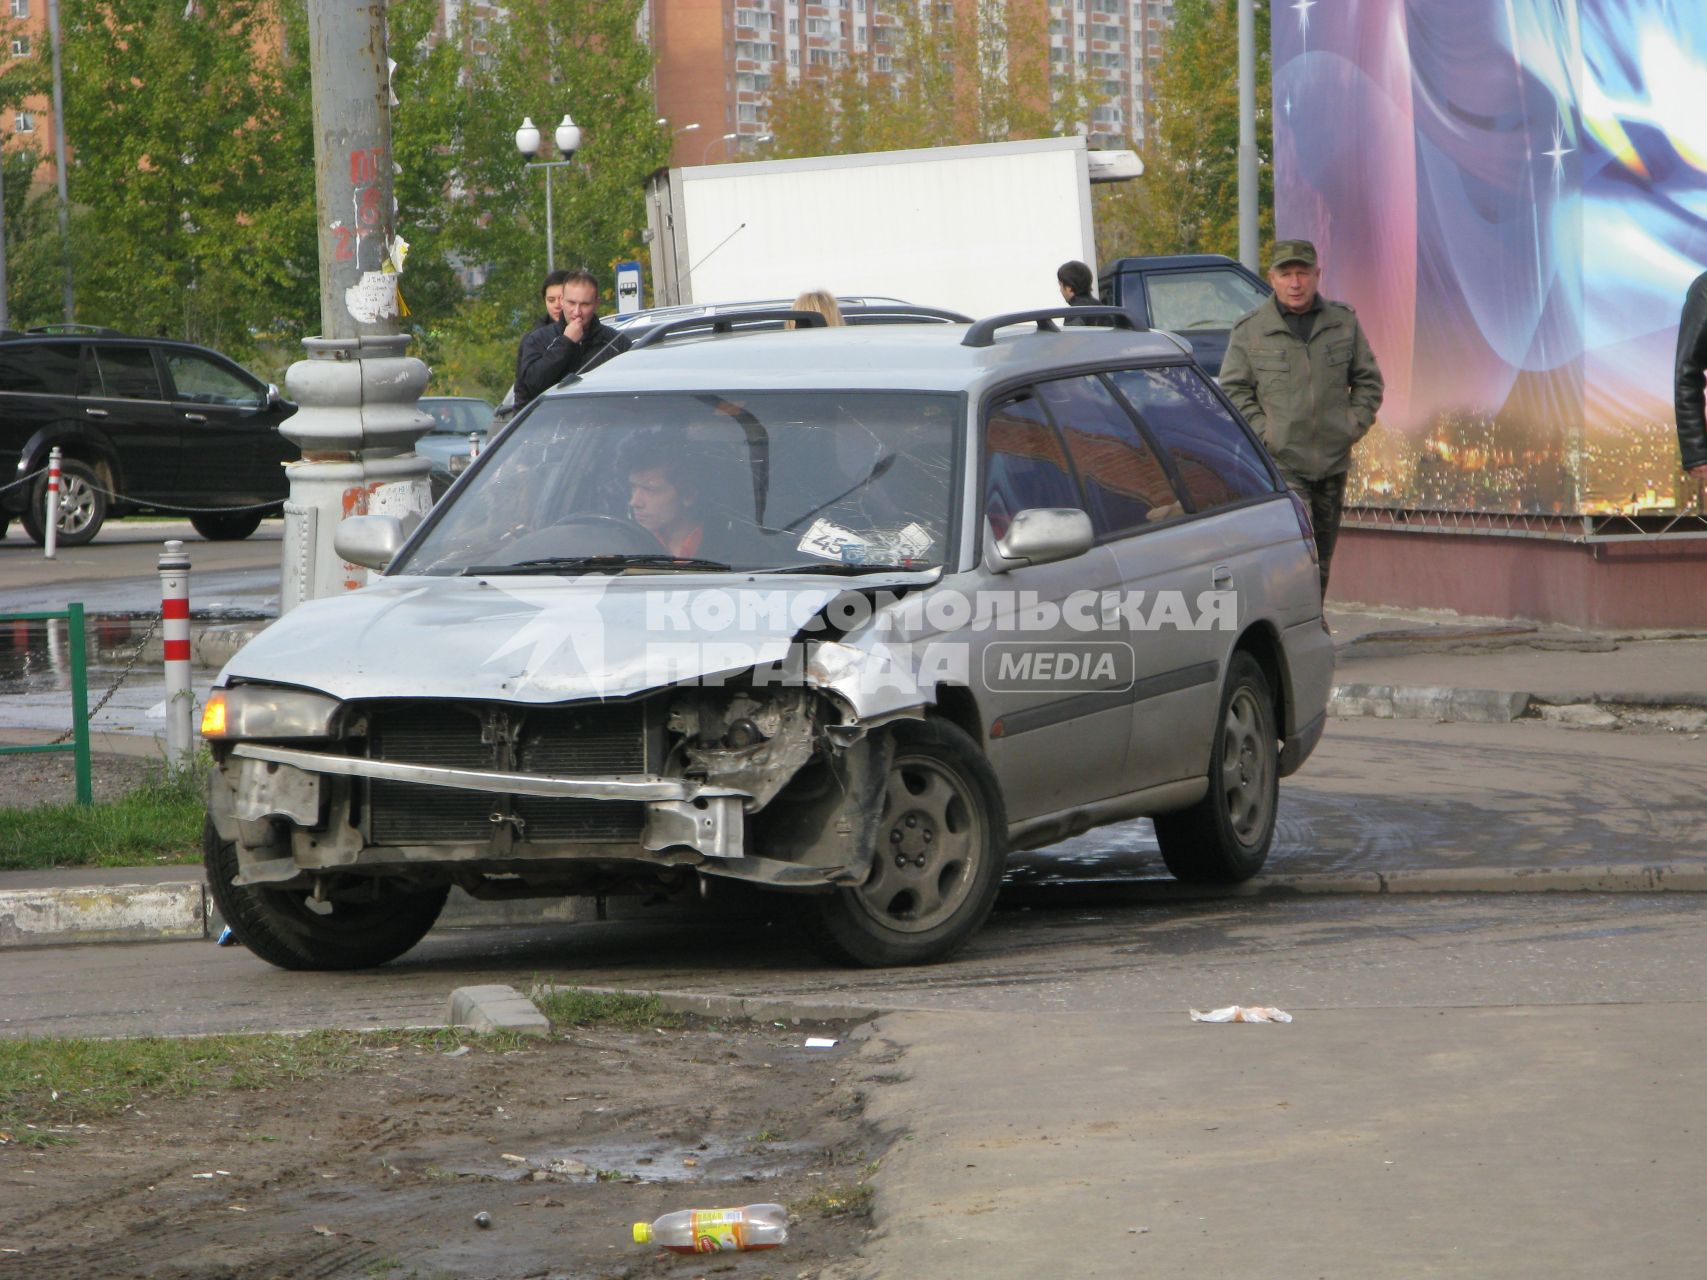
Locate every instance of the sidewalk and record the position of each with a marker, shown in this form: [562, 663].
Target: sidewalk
[1390, 666]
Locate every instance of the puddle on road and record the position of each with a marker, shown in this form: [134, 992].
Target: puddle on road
[654, 1162]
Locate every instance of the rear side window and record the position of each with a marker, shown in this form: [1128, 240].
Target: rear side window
[40, 369]
[124, 373]
[1125, 485]
[1025, 463]
[1218, 461]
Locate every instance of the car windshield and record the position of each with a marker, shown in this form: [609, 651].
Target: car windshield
[816, 480]
[457, 417]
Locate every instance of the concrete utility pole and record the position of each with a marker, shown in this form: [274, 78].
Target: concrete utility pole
[359, 417]
[1248, 247]
[59, 159]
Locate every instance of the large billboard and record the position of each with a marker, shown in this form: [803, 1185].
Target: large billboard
[1513, 194]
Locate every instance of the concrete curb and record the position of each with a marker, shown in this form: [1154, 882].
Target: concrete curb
[182, 911]
[1427, 702]
[495, 1007]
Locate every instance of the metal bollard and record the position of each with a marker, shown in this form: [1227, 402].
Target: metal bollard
[50, 541]
[175, 628]
[473, 445]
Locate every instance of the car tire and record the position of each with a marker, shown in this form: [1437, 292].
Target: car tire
[226, 526]
[285, 929]
[1224, 838]
[82, 507]
[941, 852]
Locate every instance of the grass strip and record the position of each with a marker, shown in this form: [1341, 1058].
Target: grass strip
[159, 822]
[569, 1006]
[50, 1086]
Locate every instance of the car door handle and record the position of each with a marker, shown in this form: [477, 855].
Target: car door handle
[195, 417]
[1220, 577]
[95, 413]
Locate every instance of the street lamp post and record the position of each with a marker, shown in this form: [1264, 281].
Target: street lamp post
[726, 139]
[568, 139]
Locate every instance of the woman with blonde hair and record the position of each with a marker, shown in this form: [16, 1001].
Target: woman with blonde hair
[823, 302]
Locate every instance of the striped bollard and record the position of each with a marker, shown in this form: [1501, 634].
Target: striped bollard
[50, 524]
[175, 627]
[473, 445]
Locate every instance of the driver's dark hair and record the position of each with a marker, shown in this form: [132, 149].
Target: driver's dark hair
[654, 450]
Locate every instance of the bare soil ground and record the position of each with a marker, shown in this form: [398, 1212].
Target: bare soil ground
[50, 777]
[382, 1173]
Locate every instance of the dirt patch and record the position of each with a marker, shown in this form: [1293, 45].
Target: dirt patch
[382, 1173]
[50, 777]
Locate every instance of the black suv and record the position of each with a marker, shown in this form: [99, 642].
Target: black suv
[147, 425]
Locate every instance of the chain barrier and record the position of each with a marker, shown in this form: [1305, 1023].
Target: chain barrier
[141, 646]
[21, 480]
[175, 508]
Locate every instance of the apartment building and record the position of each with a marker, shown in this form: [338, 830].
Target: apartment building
[719, 59]
[28, 122]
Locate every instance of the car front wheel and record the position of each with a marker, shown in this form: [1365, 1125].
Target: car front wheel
[1224, 838]
[82, 507]
[941, 849]
[288, 928]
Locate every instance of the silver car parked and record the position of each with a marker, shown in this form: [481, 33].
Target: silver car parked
[843, 613]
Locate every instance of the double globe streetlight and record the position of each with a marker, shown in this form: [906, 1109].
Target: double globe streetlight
[567, 136]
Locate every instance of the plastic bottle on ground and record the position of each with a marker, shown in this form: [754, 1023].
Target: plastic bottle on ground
[753, 1226]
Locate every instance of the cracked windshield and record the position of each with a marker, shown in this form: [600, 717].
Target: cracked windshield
[842, 481]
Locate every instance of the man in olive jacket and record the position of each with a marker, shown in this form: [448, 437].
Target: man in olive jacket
[1302, 373]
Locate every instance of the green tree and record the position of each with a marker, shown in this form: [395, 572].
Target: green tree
[33, 271]
[944, 74]
[583, 58]
[186, 185]
[1188, 199]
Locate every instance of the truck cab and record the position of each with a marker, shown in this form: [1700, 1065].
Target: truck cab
[1199, 296]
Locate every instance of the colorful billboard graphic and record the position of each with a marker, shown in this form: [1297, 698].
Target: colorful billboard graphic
[1513, 194]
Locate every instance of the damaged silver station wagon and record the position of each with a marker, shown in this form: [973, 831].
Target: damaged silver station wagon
[844, 613]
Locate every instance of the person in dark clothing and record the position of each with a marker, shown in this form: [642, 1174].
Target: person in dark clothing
[551, 353]
[1691, 380]
[1075, 280]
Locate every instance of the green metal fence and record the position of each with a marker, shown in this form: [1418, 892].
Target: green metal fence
[72, 616]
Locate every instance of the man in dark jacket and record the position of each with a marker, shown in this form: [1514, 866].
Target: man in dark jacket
[551, 353]
[1691, 398]
[1300, 370]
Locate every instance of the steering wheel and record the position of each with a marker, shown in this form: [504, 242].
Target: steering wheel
[584, 534]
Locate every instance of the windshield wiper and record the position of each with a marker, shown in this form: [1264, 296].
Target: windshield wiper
[597, 564]
[845, 568]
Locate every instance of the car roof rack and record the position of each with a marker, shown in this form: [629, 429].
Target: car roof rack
[983, 332]
[57, 330]
[728, 323]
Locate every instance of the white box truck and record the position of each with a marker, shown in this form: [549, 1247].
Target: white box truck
[977, 229]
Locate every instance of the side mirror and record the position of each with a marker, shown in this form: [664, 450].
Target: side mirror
[370, 541]
[1042, 535]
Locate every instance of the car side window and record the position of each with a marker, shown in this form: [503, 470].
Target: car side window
[201, 381]
[44, 369]
[125, 373]
[1125, 484]
[1025, 465]
[1218, 460]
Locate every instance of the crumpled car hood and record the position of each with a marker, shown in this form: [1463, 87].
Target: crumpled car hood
[535, 639]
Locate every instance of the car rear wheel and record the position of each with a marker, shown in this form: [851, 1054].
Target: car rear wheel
[226, 526]
[82, 507]
[1224, 838]
[287, 928]
[940, 853]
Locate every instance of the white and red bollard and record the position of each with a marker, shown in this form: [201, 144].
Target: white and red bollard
[175, 628]
[50, 524]
[473, 445]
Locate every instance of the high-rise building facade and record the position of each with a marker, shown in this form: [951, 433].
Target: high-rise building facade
[29, 121]
[719, 60]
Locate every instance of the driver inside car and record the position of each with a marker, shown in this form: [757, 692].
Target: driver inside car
[663, 495]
